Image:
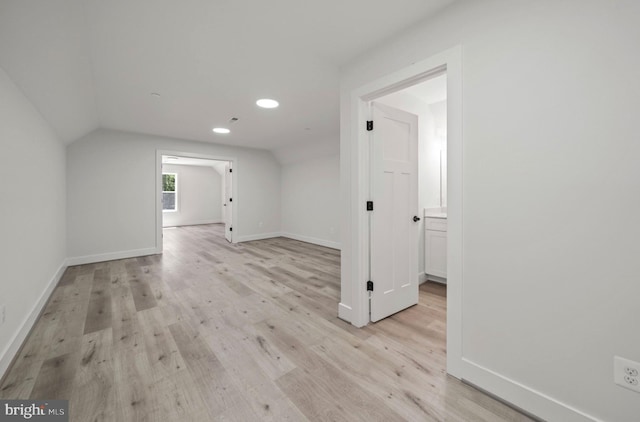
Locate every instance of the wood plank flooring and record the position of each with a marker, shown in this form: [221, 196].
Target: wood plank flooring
[211, 331]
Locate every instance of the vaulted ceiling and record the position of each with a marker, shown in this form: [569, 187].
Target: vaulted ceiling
[94, 63]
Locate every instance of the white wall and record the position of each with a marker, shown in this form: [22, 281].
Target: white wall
[437, 144]
[111, 180]
[307, 150]
[311, 201]
[550, 201]
[32, 215]
[199, 196]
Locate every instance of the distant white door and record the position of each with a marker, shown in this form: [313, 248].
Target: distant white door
[394, 233]
[228, 202]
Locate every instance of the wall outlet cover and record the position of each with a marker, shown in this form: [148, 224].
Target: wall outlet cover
[626, 373]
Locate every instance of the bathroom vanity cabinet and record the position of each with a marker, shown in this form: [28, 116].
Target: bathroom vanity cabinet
[435, 246]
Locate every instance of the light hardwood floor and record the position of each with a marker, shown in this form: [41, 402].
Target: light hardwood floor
[211, 331]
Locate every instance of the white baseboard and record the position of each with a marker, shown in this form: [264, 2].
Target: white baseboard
[314, 240]
[18, 338]
[344, 312]
[194, 223]
[437, 279]
[422, 277]
[529, 400]
[110, 256]
[259, 236]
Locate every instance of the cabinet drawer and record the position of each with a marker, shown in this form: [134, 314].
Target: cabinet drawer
[435, 224]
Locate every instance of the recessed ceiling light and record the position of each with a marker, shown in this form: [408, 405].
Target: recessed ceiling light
[267, 103]
[221, 130]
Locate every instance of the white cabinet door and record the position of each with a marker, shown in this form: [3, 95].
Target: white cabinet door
[436, 253]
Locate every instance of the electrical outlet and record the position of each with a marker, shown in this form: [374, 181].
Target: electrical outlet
[626, 373]
[631, 380]
[631, 371]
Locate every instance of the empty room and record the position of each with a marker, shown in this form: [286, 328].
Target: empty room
[326, 211]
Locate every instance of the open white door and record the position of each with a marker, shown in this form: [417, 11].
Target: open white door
[228, 202]
[394, 228]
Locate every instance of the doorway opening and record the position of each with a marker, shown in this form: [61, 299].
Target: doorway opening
[354, 306]
[193, 189]
[408, 184]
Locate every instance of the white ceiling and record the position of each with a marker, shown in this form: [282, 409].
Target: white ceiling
[94, 63]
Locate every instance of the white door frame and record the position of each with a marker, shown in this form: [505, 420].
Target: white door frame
[234, 187]
[451, 62]
[228, 201]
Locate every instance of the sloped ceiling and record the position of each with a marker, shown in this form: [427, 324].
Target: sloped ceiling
[44, 49]
[94, 63]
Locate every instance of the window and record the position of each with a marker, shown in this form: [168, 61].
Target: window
[169, 192]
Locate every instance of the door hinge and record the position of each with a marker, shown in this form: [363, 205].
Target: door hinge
[369, 286]
[369, 205]
[230, 229]
[369, 125]
[230, 170]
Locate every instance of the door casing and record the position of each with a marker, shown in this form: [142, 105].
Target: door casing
[228, 202]
[355, 272]
[159, 154]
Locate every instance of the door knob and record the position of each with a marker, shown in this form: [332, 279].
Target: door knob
[416, 218]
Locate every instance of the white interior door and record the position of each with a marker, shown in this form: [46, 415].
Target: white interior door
[228, 202]
[394, 233]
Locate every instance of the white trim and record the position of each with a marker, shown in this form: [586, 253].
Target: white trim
[451, 60]
[344, 312]
[314, 240]
[110, 256]
[195, 223]
[436, 279]
[422, 277]
[234, 188]
[259, 236]
[521, 396]
[21, 334]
